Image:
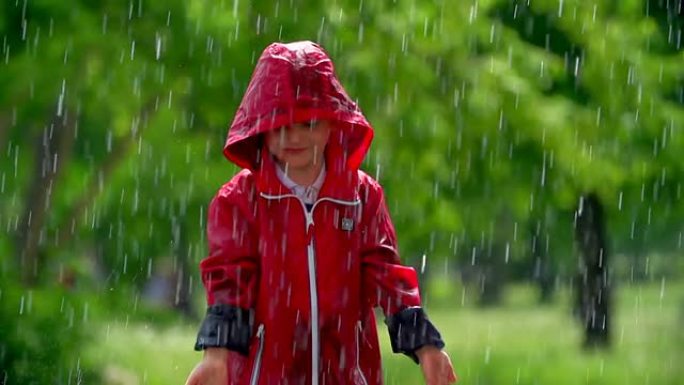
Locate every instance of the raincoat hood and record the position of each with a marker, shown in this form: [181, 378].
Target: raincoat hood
[296, 83]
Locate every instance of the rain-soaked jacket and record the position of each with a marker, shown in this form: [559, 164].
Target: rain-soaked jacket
[291, 289]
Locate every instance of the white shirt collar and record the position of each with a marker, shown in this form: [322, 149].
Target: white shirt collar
[308, 194]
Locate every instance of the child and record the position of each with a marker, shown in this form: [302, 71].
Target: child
[301, 245]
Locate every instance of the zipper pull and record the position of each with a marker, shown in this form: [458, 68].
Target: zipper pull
[309, 224]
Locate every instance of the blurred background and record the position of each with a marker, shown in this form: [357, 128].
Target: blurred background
[531, 152]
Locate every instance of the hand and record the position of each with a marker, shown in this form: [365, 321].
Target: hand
[436, 366]
[212, 370]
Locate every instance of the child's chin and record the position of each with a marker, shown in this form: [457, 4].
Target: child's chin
[297, 163]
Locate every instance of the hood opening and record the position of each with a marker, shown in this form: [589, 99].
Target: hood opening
[295, 83]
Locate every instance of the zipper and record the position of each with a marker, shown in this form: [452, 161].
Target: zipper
[311, 259]
[257, 360]
[315, 342]
[359, 330]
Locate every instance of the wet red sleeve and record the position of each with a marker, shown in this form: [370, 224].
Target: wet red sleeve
[230, 271]
[386, 282]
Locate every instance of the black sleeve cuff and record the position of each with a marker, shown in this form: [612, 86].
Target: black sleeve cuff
[410, 329]
[227, 327]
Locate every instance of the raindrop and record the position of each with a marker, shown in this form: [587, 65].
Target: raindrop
[104, 23]
[483, 149]
[422, 264]
[508, 252]
[132, 49]
[321, 29]
[531, 201]
[620, 201]
[560, 8]
[161, 81]
[515, 231]
[543, 173]
[60, 100]
[109, 141]
[130, 10]
[66, 55]
[473, 13]
[210, 45]
[158, 46]
[24, 26]
[54, 163]
[71, 317]
[36, 39]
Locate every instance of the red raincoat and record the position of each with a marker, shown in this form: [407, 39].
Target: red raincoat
[291, 291]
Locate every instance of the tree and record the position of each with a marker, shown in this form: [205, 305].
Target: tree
[593, 281]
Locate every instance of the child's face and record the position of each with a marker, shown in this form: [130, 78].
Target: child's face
[299, 145]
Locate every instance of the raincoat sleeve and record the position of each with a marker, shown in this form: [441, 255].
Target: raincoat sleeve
[230, 275]
[389, 284]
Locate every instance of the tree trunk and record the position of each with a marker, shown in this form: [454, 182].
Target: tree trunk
[542, 272]
[182, 271]
[490, 277]
[52, 150]
[593, 285]
[4, 134]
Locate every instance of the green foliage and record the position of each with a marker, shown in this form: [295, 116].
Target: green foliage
[43, 335]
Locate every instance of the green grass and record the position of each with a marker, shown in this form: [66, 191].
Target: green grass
[517, 343]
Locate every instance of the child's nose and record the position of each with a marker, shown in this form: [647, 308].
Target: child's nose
[296, 132]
